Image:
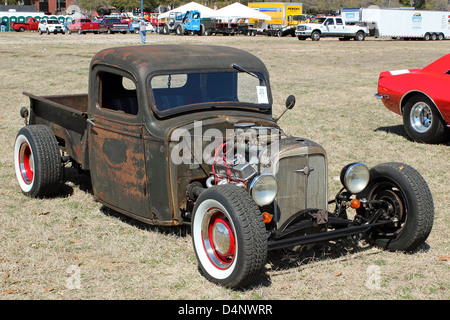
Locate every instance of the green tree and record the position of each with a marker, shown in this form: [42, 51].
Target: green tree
[94, 5]
[418, 4]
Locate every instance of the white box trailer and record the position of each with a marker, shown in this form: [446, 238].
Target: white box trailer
[407, 23]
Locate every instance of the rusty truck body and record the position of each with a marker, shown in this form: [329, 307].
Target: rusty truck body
[147, 133]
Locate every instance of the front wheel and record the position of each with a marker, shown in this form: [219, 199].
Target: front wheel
[409, 198]
[229, 236]
[315, 36]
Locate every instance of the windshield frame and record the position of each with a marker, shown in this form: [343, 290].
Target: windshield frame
[207, 105]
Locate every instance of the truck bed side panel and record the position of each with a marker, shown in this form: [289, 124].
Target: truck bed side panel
[66, 116]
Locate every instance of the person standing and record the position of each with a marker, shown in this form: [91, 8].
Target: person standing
[143, 31]
[3, 24]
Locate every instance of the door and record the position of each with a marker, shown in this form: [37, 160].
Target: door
[340, 27]
[330, 27]
[116, 148]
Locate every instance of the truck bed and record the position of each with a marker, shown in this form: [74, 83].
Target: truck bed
[66, 115]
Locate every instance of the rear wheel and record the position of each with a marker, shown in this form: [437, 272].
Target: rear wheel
[229, 236]
[360, 36]
[422, 121]
[411, 206]
[180, 30]
[37, 161]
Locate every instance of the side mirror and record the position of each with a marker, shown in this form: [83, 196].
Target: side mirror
[290, 103]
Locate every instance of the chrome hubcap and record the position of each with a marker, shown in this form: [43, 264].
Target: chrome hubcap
[218, 238]
[421, 117]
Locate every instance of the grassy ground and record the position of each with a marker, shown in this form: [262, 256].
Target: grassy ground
[74, 248]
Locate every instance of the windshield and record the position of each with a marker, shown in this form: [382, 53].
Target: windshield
[299, 18]
[172, 91]
[318, 20]
[52, 21]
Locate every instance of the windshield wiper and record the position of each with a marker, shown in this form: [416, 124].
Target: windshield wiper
[238, 67]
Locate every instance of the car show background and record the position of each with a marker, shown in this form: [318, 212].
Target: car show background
[71, 247]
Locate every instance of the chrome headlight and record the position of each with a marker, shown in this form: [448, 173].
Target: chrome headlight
[355, 177]
[263, 189]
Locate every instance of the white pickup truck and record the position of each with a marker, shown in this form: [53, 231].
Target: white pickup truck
[331, 27]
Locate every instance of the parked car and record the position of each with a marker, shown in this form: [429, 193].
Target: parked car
[184, 134]
[113, 25]
[82, 26]
[30, 24]
[51, 26]
[135, 26]
[422, 97]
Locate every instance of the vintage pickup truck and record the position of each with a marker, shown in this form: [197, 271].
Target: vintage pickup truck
[331, 27]
[30, 24]
[184, 134]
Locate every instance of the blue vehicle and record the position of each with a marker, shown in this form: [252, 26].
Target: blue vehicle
[135, 27]
[187, 23]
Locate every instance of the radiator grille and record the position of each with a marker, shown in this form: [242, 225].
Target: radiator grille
[302, 184]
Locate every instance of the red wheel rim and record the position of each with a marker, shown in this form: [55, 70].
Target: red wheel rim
[26, 163]
[218, 239]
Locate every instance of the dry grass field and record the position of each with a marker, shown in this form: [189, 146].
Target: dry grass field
[71, 247]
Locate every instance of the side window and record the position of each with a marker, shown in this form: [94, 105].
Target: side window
[117, 93]
[339, 21]
[329, 22]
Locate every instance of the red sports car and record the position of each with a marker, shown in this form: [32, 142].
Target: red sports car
[422, 97]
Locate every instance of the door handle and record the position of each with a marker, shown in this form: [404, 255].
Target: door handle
[91, 121]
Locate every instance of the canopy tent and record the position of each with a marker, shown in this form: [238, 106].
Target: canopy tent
[205, 12]
[237, 10]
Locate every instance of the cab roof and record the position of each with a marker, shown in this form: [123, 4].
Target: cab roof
[144, 60]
